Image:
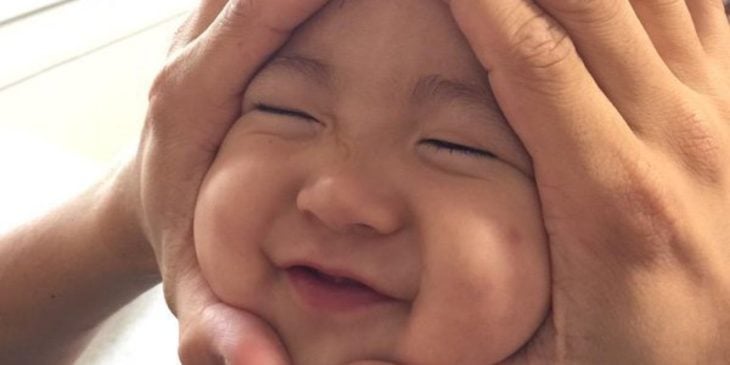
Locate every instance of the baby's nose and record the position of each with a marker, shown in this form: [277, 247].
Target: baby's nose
[349, 202]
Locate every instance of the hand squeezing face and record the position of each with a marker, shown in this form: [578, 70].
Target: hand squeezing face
[624, 107]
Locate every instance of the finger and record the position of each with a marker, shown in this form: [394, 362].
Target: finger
[188, 295]
[212, 333]
[671, 28]
[712, 27]
[620, 55]
[197, 22]
[225, 335]
[245, 30]
[544, 89]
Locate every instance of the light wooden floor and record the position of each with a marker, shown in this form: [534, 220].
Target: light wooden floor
[73, 95]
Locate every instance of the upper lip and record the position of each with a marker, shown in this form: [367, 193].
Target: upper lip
[341, 273]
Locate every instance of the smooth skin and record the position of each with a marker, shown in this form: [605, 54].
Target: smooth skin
[359, 185]
[64, 273]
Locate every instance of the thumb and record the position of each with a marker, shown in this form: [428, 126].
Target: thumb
[226, 335]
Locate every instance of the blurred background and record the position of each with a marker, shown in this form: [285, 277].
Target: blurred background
[74, 76]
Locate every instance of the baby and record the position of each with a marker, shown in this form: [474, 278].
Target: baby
[371, 203]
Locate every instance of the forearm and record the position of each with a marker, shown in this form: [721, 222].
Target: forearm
[63, 274]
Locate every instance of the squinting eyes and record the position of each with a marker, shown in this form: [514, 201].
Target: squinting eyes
[450, 147]
[284, 112]
[457, 148]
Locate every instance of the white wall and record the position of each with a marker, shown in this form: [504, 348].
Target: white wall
[73, 95]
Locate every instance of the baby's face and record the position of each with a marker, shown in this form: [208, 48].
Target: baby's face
[371, 203]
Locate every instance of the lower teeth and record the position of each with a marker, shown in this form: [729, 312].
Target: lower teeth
[335, 279]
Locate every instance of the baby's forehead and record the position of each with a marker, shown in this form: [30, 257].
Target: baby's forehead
[413, 34]
[410, 42]
[436, 86]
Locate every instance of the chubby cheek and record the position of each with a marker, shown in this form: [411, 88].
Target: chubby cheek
[485, 288]
[240, 199]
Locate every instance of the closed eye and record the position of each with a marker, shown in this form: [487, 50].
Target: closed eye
[284, 112]
[457, 148]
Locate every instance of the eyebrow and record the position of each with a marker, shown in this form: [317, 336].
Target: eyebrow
[434, 86]
[310, 67]
[447, 90]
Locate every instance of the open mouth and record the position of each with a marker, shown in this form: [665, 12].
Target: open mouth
[330, 279]
[327, 292]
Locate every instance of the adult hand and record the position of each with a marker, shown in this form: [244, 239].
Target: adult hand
[193, 102]
[624, 107]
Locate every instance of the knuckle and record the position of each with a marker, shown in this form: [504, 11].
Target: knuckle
[162, 99]
[650, 216]
[647, 205]
[181, 37]
[242, 13]
[241, 9]
[639, 190]
[236, 14]
[196, 23]
[698, 144]
[541, 45]
[161, 83]
[170, 80]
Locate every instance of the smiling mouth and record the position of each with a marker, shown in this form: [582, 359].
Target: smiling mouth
[331, 293]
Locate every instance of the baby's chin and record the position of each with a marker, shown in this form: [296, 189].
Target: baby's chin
[358, 346]
[334, 341]
[385, 335]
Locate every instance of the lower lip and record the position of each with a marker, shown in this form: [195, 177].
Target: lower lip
[324, 295]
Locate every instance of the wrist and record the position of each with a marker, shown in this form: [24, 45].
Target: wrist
[67, 271]
[120, 225]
